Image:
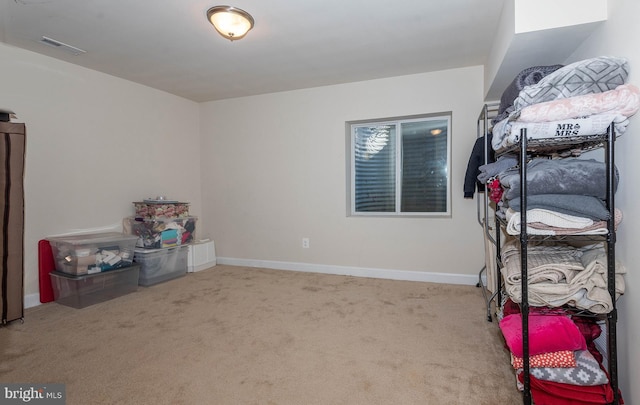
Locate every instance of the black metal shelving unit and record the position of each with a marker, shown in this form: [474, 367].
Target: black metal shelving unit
[526, 149]
[491, 293]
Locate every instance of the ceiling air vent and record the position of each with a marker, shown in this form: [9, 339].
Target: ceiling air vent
[62, 46]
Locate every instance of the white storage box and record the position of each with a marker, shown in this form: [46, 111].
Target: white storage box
[202, 255]
[158, 265]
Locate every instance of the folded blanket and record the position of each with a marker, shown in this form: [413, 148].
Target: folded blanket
[493, 169]
[623, 100]
[584, 289]
[594, 75]
[545, 263]
[559, 176]
[563, 358]
[586, 372]
[507, 133]
[526, 77]
[546, 217]
[547, 333]
[570, 204]
[594, 260]
[545, 222]
[589, 327]
[581, 295]
[554, 393]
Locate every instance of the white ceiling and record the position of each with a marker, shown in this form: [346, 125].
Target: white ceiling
[170, 45]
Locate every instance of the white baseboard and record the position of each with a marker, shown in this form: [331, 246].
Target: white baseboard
[32, 300]
[200, 267]
[406, 275]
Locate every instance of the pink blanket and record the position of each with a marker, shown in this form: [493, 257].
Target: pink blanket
[624, 100]
[547, 333]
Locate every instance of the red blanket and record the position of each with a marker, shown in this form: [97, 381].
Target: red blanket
[553, 393]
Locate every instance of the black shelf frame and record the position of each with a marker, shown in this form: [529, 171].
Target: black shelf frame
[526, 149]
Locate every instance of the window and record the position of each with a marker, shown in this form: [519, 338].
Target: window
[400, 166]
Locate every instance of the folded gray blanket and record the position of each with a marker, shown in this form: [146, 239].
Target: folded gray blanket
[559, 176]
[587, 372]
[587, 76]
[570, 204]
[526, 77]
[490, 170]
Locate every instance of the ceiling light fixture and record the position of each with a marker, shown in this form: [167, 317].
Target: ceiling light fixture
[230, 22]
[436, 131]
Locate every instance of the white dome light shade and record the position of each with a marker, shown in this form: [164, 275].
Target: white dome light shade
[232, 23]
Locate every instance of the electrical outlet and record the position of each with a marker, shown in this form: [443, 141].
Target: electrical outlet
[305, 243]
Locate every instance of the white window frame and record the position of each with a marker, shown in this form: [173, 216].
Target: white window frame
[351, 184]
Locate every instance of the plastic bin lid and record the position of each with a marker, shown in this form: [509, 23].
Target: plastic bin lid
[135, 218]
[149, 201]
[82, 239]
[144, 251]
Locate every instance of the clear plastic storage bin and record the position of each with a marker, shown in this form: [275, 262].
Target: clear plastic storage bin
[92, 253]
[158, 265]
[161, 209]
[90, 289]
[161, 232]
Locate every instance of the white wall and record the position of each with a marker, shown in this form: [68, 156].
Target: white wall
[619, 37]
[95, 144]
[274, 171]
[271, 169]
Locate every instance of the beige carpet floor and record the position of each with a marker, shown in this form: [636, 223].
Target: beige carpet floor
[235, 335]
